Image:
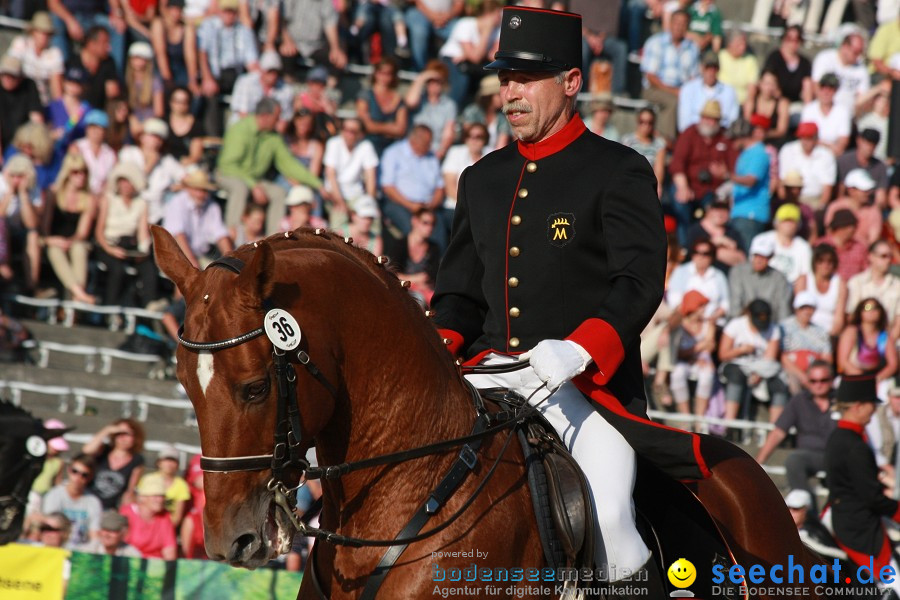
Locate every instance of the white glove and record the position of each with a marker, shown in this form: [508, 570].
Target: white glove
[557, 361]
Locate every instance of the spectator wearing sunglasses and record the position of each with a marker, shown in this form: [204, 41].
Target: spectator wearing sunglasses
[71, 498]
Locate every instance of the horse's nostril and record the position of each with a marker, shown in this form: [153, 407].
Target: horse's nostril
[243, 547]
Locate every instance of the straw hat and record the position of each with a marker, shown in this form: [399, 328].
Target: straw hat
[130, 171]
[41, 21]
[199, 179]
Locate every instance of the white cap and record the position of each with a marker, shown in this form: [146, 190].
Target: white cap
[805, 298]
[365, 206]
[798, 499]
[270, 61]
[299, 194]
[141, 50]
[157, 127]
[764, 245]
[859, 179]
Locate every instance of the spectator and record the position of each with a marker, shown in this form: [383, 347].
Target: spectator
[739, 68]
[693, 341]
[750, 181]
[847, 63]
[168, 34]
[111, 537]
[185, 131]
[696, 93]
[304, 143]
[636, 12]
[829, 289]
[815, 164]
[21, 209]
[73, 499]
[363, 215]
[195, 220]
[884, 45]
[350, 166]
[749, 354]
[700, 275]
[252, 228]
[150, 529]
[858, 187]
[117, 449]
[669, 61]
[705, 28]
[755, 279]
[160, 169]
[832, 120]
[250, 149]
[139, 15]
[702, 156]
[472, 41]
[177, 492]
[792, 69]
[876, 282]
[191, 533]
[646, 142]
[20, 101]
[66, 227]
[793, 254]
[309, 30]
[66, 114]
[53, 470]
[473, 148]
[100, 158]
[487, 110]
[266, 82]
[41, 62]
[381, 108]
[842, 236]
[864, 347]
[227, 48]
[767, 100]
[804, 342]
[600, 110]
[55, 531]
[300, 201]
[427, 18]
[143, 87]
[410, 179]
[803, 512]
[883, 432]
[94, 59]
[415, 255]
[319, 98]
[74, 20]
[877, 121]
[118, 134]
[386, 17]
[600, 39]
[429, 105]
[715, 227]
[863, 157]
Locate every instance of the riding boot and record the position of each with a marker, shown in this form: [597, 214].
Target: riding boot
[650, 587]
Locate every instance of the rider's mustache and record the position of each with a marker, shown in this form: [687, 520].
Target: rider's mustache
[521, 107]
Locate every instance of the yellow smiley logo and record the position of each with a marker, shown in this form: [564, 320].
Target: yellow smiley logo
[682, 573]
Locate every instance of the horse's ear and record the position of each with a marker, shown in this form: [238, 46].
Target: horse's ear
[172, 261]
[258, 277]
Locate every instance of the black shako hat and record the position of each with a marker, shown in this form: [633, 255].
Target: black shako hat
[536, 39]
[857, 388]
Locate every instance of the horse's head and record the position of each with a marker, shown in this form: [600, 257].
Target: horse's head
[23, 448]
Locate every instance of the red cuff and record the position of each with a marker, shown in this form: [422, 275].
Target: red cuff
[455, 343]
[603, 344]
[896, 516]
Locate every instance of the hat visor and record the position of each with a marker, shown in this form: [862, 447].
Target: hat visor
[520, 64]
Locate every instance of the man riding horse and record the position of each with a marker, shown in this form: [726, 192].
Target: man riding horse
[558, 256]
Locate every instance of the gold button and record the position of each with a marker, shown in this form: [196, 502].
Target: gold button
[513, 282]
[514, 312]
[531, 167]
[516, 219]
[523, 193]
[513, 342]
[514, 251]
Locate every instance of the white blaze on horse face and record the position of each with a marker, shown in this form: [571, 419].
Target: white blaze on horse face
[205, 369]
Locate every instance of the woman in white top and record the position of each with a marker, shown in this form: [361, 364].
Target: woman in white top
[160, 169]
[472, 41]
[41, 62]
[828, 287]
[473, 148]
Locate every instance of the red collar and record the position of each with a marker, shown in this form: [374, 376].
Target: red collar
[854, 427]
[555, 142]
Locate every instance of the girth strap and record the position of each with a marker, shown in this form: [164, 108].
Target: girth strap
[464, 463]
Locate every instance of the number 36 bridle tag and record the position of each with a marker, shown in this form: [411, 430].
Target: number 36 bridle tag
[282, 329]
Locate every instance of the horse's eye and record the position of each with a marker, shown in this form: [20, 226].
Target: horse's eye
[256, 390]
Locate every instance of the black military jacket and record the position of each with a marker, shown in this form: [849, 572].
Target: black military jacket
[855, 494]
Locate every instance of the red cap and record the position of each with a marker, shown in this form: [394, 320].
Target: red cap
[807, 130]
[692, 301]
[758, 120]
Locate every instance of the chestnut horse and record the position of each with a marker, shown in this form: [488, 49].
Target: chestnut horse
[384, 383]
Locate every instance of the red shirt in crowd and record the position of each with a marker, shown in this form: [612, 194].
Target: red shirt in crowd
[150, 537]
[692, 155]
[852, 256]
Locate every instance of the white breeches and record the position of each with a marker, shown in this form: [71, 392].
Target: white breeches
[608, 461]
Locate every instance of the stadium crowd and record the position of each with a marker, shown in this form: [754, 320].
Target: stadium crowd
[226, 120]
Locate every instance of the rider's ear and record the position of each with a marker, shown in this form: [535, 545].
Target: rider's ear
[258, 277]
[172, 261]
